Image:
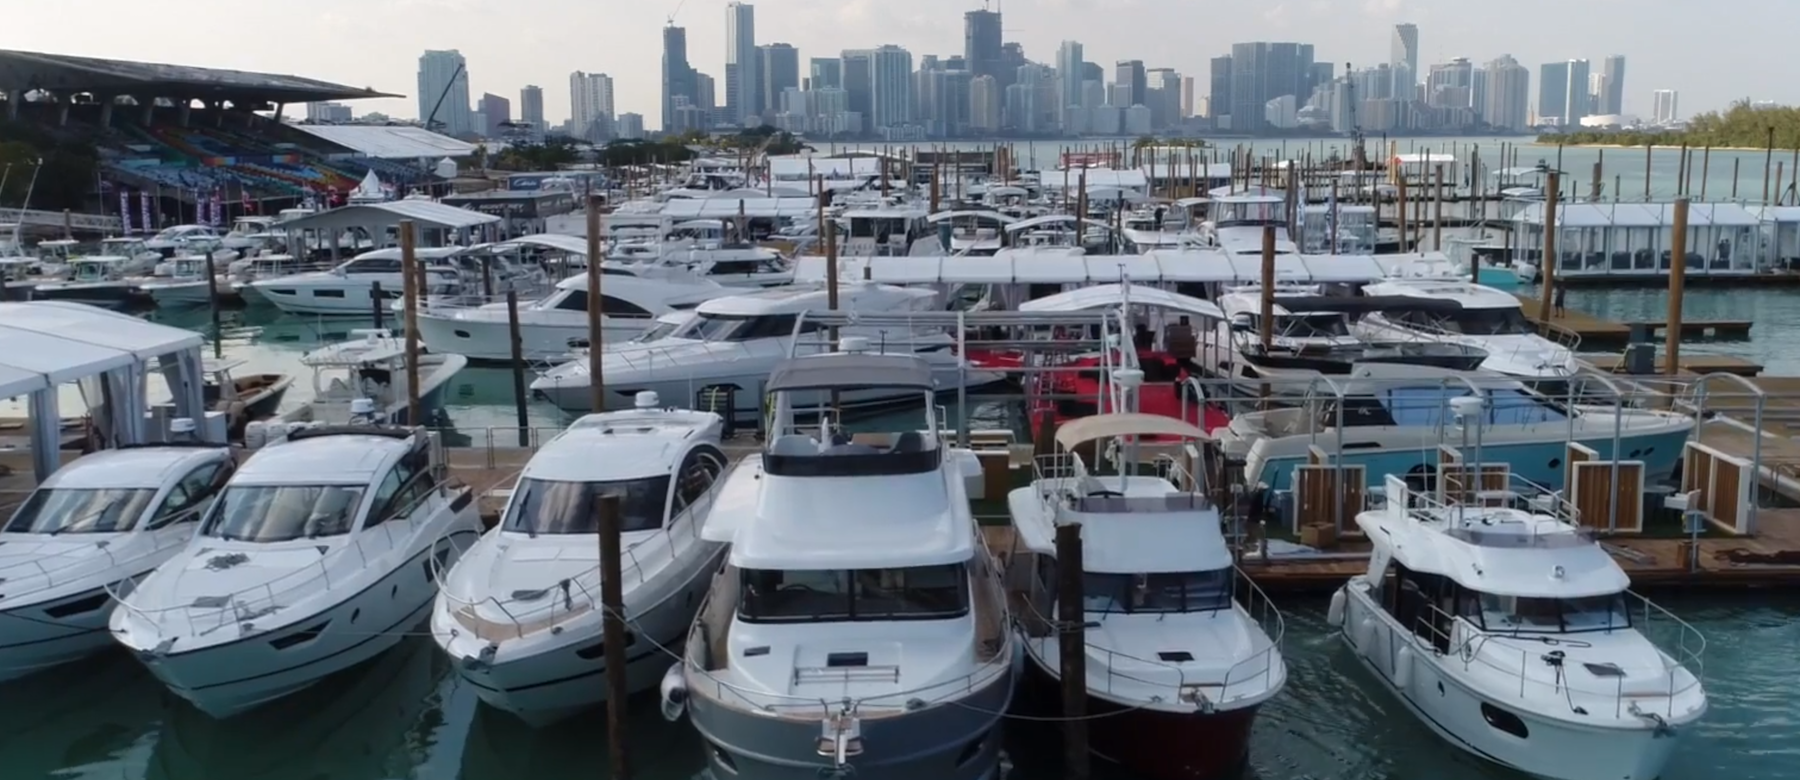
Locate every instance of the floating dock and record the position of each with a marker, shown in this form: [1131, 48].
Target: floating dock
[1604, 333]
[1687, 365]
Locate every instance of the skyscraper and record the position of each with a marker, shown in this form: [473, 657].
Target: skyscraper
[1575, 94]
[1613, 70]
[1403, 57]
[498, 111]
[1553, 92]
[856, 67]
[1451, 84]
[531, 108]
[591, 105]
[1666, 110]
[1508, 103]
[1218, 96]
[827, 72]
[779, 66]
[743, 84]
[1131, 81]
[677, 74]
[981, 44]
[444, 93]
[890, 87]
[984, 104]
[1068, 71]
[1261, 72]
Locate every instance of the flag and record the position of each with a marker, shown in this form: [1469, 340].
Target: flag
[144, 209]
[125, 211]
[244, 198]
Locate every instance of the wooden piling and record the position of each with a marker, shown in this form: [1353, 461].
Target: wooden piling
[1399, 211]
[1547, 265]
[378, 305]
[517, 347]
[1768, 164]
[1266, 328]
[1736, 165]
[212, 303]
[409, 269]
[1437, 211]
[1081, 205]
[1649, 150]
[596, 379]
[1072, 646]
[1677, 284]
[1334, 216]
[612, 640]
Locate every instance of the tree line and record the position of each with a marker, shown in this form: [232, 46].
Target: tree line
[1741, 125]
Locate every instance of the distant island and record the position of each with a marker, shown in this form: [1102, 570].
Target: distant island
[1742, 126]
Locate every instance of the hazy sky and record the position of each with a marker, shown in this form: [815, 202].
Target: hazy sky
[1711, 52]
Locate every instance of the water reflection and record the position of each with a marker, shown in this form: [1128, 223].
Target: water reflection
[501, 747]
[78, 720]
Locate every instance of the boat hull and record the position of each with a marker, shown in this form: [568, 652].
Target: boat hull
[32, 639]
[347, 299]
[491, 341]
[957, 740]
[106, 295]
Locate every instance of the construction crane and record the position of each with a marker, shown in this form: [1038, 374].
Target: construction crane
[670, 22]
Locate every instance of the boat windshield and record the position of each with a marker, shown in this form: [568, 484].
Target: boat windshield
[1312, 326]
[280, 513]
[1527, 615]
[80, 510]
[741, 327]
[1503, 321]
[659, 331]
[543, 506]
[1190, 591]
[817, 596]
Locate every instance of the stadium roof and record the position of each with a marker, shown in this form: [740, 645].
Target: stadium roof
[390, 142]
[37, 70]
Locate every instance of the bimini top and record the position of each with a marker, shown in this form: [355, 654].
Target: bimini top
[1107, 426]
[849, 372]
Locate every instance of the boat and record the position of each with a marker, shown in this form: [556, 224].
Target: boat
[243, 399]
[547, 326]
[106, 281]
[1182, 647]
[322, 552]
[184, 239]
[1390, 417]
[519, 615]
[734, 341]
[187, 284]
[1484, 318]
[347, 289]
[879, 646]
[89, 532]
[1511, 633]
[371, 365]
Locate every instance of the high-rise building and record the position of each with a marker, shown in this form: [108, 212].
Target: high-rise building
[444, 93]
[1508, 103]
[743, 82]
[1068, 72]
[1613, 71]
[1261, 72]
[1575, 94]
[827, 72]
[497, 112]
[1451, 84]
[1162, 95]
[591, 105]
[327, 112]
[1132, 82]
[1665, 110]
[982, 43]
[1218, 96]
[706, 96]
[985, 101]
[1553, 92]
[779, 65]
[677, 74]
[1403, 58]
[890, 87]
[531, 108]
[856, 68]
[1187, 97]
[631, 125]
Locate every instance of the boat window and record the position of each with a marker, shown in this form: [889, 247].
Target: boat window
[1312, 326]
[374, 265]
[1193, 591]
[1430, 406]
[280, 513]
[735, 327]
[577, 300]
[192, 491]
[909, 593]
[660, 330]
[699, 473]
[1504, 321]
[543, 506]
[1520, 614]
[80, 510]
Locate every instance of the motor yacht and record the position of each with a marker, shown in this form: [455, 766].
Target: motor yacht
[1182, 648]
[89, 532]
[735, 341]
[184, 239]
[549, 325]
[322, 552]
[520, 613]
[372, 366]
[1390, 417]
[107, 281]
[346, 290]
[1511, 633]
[1485, 318]
[187, 284]
[877, 648]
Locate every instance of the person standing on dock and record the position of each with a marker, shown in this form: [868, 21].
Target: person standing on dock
[1561, 296]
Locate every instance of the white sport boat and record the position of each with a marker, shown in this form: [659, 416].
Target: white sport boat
[371, 366]
[1182, 647]
[549, 326]
[849, 634]
[86, 535]
[107, 281]
[1513, 635]
[735, 341]
[187, 285]
[346, 290]
[520, 614]
[322, 552]
[1484, 318]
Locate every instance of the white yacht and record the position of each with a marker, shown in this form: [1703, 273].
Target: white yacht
[1511, 634]
[107, 281]
[849, 634]
[735, 341]
[186, 283]
[322, 552]
[549, 325]
[346, 289]
[520, 613]
[371, 366]
[1485, 318]
[87, 534]
[1182, 648]
[184, 239]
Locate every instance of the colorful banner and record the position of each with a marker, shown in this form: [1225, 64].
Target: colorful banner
[125, 211]
[144, 209]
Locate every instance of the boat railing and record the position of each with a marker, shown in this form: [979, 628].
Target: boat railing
[1467, 491]
[1257, 673]
[1459, 642]
[51, 567]
[1559, 336]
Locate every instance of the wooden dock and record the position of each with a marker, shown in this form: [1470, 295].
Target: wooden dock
[1688, 365]
[1599, 332]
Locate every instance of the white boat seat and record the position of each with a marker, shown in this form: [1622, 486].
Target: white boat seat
[794, 444]
[1681, 502]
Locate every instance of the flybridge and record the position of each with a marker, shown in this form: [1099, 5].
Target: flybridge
[1059, 265]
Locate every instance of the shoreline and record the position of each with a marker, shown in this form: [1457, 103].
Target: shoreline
[1672, 147]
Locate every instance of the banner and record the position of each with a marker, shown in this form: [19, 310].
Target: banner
[144, 209]
[125, 211]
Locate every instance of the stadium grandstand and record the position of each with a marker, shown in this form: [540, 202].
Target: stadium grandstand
[182, 135]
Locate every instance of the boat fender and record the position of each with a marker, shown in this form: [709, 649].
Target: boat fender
[1334, 615]
[1365, 632]
[1403, 663]
[255, 434]
[674, 693]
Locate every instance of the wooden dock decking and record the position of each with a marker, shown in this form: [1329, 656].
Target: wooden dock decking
[1598, 331]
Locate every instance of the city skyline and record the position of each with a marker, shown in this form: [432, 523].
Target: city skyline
[345, 46]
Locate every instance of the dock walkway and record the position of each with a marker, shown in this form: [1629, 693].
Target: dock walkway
[1604, 333]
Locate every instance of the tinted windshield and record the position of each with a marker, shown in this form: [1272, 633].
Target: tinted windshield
[1554, 616]
[81, 510]
[914, 592]
[1312, 325]
[542, 506]
[278, 513]
[661, 330]
[1491, 322]
[1193, 591]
